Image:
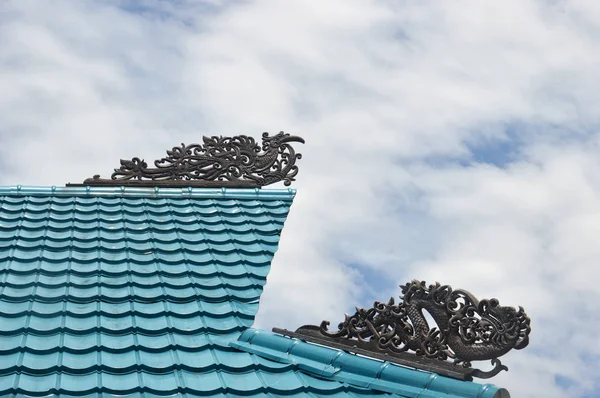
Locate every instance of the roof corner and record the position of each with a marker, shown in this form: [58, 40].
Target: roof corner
[334, 364]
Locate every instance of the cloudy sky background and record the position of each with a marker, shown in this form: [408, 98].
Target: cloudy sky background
[450, 141]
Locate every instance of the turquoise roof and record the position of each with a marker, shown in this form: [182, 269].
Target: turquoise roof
[142, 291]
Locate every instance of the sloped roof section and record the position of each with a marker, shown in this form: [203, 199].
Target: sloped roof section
[140, 290]
[332, 364]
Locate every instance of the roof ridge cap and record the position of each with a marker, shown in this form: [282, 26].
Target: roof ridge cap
[150, 192]
[345, 368]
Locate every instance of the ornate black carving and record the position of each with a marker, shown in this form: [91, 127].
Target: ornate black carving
[467, 330]
[219, 162]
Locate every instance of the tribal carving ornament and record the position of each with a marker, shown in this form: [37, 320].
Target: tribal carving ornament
[220, 161]
[466, 329]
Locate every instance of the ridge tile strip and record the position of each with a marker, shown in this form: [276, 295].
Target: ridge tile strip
[83, 193]
[332, 364]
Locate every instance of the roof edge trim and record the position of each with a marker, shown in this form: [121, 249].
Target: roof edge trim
[333, 364]
[154, 192]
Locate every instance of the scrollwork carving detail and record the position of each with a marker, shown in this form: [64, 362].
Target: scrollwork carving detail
[466, 329]
[220, 161]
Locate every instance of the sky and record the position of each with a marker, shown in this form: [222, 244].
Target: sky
[456, 142]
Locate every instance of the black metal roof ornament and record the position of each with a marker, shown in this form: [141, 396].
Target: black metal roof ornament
[220, 162]
[467, 330]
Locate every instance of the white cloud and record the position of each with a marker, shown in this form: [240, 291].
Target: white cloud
[391, 97]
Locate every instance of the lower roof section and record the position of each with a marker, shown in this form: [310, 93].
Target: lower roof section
[332, 364]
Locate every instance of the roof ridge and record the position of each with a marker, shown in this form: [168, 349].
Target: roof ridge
[150, 192]
[334, 364]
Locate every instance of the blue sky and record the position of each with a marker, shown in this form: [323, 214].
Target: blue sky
[453, 142]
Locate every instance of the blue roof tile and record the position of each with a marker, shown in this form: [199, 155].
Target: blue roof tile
[134, 290]
[203, 383]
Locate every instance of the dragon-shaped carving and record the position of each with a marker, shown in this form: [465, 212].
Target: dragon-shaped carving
[466, 329]
[219, 161]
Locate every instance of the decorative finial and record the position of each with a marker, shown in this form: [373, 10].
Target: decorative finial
[466, 330]
[236, 162]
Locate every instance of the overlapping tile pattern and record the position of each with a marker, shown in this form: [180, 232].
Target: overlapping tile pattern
[136, 292]
[140, 292]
